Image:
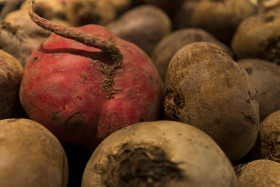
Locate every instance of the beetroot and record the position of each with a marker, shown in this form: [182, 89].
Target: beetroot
[82, 93]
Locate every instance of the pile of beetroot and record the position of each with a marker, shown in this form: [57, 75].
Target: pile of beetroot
[139, 93]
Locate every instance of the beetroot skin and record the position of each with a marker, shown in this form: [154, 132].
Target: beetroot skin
[82, 95]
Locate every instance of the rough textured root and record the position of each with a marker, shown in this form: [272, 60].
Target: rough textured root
[238, 169]
[271, 50]
[10, 77]
[140, 165]
[274, 148]
[260, 173]
[108, 82]
[85, 38]
[173, 104]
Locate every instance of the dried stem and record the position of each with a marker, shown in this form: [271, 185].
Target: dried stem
[84, 38]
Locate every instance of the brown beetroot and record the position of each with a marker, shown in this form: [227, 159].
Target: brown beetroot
[169, 6]
[15, 41]
[266, 75]
[121, 5]
[259, 173]
[21, 19]
[258, 37]
[270, 137]
[84, 91]
[144, 26]
[84, 12]
[10, 77]
[171, 43]
[207, 89]
[30, 155]
[219, 17]
[159, 154]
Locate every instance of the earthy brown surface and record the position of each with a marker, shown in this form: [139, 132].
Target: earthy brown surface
[270, 137]
[121, 5]
[169, 6]
[266, 75]
[10, 77]
[219, 17]
[260, 173]
[21, 18]
[30, 155]
[144, 26]
[16, 42]
[207, 89]
[171, 43]
[161, 153]
[90, 12]
[258, 37]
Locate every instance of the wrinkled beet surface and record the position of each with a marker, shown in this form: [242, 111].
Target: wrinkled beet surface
[81, 95]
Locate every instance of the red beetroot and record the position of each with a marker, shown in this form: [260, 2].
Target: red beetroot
[83, 94]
